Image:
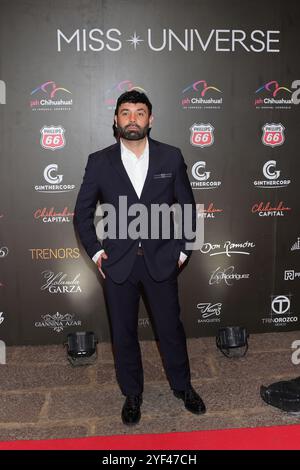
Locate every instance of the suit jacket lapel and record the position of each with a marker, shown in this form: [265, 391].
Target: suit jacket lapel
[116, 162]
[154, 165]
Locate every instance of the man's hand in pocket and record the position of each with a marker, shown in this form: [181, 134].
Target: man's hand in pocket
[99, 263]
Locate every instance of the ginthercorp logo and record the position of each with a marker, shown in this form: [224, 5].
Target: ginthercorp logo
[1, 317]
[202, 135]
[54, 180]
[2, 92]
[57, 321]
[263, 209]
[209, 211]
[280, 314]
[296, 245]
[273, 134]
[273, 95]
[210, 313]
[202, 177]
[273, 180]
[201, 95]
[50, 174]
[291, 275]
[49, 96]
[117, 89]
[52, 137]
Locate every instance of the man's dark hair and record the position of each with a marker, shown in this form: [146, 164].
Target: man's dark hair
[133, 96]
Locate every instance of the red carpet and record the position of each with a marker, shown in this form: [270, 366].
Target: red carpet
[263, 438]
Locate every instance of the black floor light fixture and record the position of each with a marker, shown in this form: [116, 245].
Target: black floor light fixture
[232, 341]
[81, 348]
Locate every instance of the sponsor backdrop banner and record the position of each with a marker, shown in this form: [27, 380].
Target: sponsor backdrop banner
[224, 80]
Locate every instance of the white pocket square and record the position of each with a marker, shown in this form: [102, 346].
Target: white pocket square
[162, 175]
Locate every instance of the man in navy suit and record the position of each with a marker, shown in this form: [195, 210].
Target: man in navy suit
[151, 173]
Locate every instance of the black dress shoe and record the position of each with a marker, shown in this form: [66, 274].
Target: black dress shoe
[192, 401]
[131, 412]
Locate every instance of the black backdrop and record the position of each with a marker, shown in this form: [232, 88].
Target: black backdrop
[220, 75]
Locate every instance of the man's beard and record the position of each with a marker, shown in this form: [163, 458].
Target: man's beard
[133, 134]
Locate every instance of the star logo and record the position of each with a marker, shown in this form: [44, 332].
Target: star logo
[135, 40]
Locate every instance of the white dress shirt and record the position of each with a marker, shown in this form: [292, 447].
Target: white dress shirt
[136, 168]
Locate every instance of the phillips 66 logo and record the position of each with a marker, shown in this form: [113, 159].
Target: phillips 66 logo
[52, 137]
[202, 135]
[273, 134]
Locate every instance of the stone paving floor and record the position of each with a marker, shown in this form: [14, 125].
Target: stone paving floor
[42, 396]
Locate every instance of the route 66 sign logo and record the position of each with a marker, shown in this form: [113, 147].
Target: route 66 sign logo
[273, 134]
[202, 135]
[52, 137]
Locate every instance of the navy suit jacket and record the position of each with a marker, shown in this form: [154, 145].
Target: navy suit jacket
[105, 180]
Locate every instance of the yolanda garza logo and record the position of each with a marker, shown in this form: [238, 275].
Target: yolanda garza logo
[52, 216]
[57, 321]
[41, 254]
[272, 175]
[54, 180]
[202, 135]
[59, 284]
[267, 210]
[210, 313]
[271, 95]
[52, 137]
[291, 275]
[273, 135]
[1, 317]
[200, 95]
[2, 92]
[3, 251]
[210, 213]
[226, 276]
[166, 39]
[50, 97]
[116, 90]
[280, 314]
[227, 248]
[202, 177]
